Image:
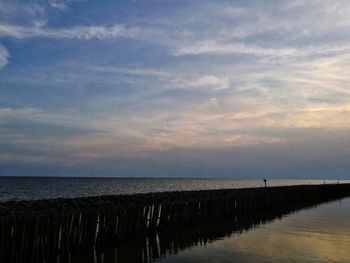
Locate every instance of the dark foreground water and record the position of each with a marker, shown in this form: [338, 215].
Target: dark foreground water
[316, 234]
[26, 188]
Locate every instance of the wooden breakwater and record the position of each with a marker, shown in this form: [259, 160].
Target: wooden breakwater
[48, 230]
[159, 245]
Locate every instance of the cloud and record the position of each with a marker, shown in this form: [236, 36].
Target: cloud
[213, 47]
[148, 72]
[317, 116]
[4, 55]
[78, 32]
[285, 54]
[53, 136]
[58, 4]
[172, 80]
[31, 116]
[209, 81]
[27, 12]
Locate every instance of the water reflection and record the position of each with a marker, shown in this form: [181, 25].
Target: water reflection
[156, 246]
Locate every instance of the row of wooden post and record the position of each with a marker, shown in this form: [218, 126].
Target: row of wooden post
[49, 230]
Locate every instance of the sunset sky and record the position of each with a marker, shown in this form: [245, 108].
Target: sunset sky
[241, 89]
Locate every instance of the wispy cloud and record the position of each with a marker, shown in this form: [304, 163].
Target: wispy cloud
[4, 55]
[212, 47]
[61, 5]
[23, 12]
[211, 81]
[170, 79]
[131, 71]
[78, 32]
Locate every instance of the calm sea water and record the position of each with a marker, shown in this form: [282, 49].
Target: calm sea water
[29, 188]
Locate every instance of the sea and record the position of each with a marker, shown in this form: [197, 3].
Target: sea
[32, 188]
[317, 233]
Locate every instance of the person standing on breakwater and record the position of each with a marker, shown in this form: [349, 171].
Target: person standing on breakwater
[264, 182]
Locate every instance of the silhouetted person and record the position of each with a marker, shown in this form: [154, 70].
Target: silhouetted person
[264, 182]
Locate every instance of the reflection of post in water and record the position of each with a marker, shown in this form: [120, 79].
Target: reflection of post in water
[156, 245]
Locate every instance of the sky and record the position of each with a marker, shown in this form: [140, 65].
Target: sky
[238, 89]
